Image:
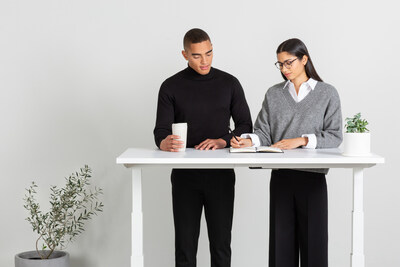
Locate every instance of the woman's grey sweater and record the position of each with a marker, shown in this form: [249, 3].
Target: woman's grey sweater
[318, 113]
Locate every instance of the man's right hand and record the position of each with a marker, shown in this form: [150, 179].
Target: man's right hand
[170, 143]
[241, 142]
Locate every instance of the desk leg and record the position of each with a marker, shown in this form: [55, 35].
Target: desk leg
[137, 219]
[357, 254]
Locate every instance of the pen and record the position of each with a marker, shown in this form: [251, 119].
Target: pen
[234, 136]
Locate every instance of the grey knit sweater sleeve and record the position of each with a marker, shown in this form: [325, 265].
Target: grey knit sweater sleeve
[261, 126]
[331, 135]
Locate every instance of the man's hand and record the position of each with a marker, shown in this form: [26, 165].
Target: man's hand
[291, 143]
[170, 143]
[243, 142]
[211, 144]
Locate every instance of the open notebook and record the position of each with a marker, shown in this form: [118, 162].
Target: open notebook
[263, 149]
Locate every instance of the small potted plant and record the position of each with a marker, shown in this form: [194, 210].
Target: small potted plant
[357, 138]
[71, 206]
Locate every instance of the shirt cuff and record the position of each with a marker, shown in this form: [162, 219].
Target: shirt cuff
[312, 141]
[254, 138]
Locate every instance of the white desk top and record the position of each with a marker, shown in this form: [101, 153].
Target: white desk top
[296, 158]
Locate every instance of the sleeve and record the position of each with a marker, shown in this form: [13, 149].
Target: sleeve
[165, 115]
[312, 141]
[331, 136]
[254, 139]
[261, 126]
[240, 112]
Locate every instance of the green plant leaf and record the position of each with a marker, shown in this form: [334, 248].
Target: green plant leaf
[356, 124]
[59, 224]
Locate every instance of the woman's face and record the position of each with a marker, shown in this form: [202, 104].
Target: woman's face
[291, 66]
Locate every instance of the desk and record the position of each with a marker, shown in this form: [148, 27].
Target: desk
[136, 159]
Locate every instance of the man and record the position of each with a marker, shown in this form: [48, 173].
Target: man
[205, 98]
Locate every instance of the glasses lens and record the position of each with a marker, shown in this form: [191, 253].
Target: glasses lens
[278, 65]
[288, 64]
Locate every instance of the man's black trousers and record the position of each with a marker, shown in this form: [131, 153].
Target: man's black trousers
[193, 189]
[298, 219]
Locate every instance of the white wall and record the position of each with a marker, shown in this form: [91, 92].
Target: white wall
[79, 83]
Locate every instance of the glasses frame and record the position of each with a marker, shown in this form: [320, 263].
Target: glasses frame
[287, 63]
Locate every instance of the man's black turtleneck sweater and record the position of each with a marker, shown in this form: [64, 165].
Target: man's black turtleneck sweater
[205, 102]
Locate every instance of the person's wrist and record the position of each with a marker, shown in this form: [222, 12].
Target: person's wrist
[223, 142]
[246, 142]
[162, 144]
[305, 140]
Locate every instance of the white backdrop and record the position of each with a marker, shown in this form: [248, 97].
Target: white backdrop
[79, 83]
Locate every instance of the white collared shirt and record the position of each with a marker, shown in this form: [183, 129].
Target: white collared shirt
[304, 90]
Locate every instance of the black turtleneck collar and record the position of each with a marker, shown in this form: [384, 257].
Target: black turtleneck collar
[194, 75]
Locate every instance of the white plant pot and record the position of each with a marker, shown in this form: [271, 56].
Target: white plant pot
[357, 144]
[31, 259]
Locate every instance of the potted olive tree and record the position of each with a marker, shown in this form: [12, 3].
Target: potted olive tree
[357, 138]
[71, 206]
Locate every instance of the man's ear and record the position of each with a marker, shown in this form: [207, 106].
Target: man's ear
[184, 54]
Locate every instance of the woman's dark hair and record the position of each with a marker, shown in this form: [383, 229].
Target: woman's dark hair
[297, 48]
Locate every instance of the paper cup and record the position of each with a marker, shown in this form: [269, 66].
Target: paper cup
[181, 130]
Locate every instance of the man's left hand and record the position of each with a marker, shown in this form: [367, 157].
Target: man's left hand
[212, 144]
[291, 143]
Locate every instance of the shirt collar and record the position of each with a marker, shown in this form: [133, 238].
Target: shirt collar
[311, 83]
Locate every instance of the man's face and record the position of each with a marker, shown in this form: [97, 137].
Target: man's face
[199, 56]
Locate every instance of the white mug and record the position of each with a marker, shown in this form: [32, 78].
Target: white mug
[181, 130]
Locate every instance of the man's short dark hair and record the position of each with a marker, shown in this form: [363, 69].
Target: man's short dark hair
[195, 36]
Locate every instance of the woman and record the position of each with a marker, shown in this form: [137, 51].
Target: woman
[301, 112]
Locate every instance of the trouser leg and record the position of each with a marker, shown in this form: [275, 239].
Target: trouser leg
[187, 200]
[312, 214]
[218, 208]
[283, 242]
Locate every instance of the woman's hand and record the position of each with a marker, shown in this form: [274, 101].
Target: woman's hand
[242, 142]
[291, 143]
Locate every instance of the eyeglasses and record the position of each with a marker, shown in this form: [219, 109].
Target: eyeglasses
[288, 64]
